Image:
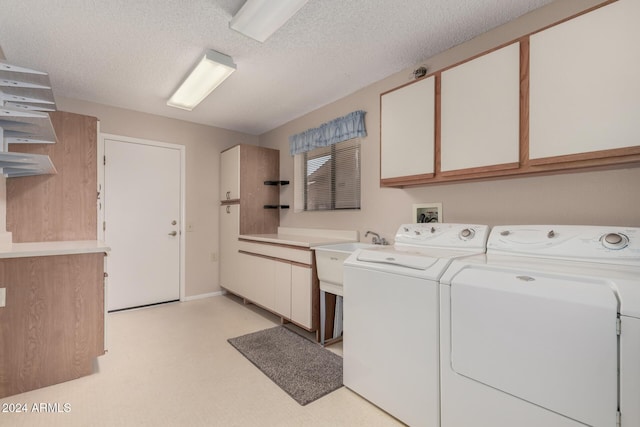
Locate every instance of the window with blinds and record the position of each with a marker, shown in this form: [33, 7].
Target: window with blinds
[329, 177]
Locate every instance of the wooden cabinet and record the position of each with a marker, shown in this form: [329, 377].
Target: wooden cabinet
[564, 98]
[407, 132]
[480, 113]
[58, 207]
[584, 86]
[52, 327]
[243, 171]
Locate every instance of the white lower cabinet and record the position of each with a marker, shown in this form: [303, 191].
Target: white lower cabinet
[302, 296]
[229, 261]
[282, 289]
[259, 282]
[283, 286]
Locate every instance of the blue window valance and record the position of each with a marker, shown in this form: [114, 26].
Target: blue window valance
[337, 130]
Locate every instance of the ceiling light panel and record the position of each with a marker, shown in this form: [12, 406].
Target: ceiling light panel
[259, 19]
[210, 72]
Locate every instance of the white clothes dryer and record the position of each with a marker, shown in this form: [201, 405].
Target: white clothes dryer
[390, 341]
[543, 330]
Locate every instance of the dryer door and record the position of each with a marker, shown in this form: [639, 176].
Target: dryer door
[548, 339]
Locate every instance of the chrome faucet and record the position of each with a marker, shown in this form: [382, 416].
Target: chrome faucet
[376, 239]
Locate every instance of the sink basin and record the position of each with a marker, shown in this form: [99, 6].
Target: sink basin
[329, 263]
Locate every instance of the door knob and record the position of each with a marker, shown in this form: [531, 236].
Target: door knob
[173, 233]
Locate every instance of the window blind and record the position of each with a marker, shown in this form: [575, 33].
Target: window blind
[330, 177]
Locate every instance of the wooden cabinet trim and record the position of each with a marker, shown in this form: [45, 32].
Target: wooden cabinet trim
[482, 169]
[437, 125]
[524, 100]
[592, 155]
[300, 248]
[408, 180]
[286, 261]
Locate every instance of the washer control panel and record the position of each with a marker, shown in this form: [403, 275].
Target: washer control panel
[443, 235]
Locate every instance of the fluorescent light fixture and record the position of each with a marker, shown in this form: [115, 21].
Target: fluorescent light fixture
[210, 72]
[259, 19]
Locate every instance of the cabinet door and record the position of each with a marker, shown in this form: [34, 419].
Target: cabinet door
[282, 289]
[229, 265]
[584, 86]
[230, 174]
[407, 131]
[257, 276]
[302, 296]
[480, 121]
[52, 326]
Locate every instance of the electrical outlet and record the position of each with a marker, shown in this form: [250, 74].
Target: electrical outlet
[214, 257]
[3, 297]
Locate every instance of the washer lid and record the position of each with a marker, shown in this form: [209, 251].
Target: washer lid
[400, 259]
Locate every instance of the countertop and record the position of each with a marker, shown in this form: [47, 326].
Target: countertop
[34, 249]
[304, 237]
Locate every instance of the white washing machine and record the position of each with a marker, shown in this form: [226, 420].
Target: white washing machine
[390, 340]
[543, 330]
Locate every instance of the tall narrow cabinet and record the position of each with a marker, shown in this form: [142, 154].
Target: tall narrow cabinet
[246, 205]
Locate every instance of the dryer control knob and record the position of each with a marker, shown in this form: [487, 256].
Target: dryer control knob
[505, 233]
[614, 241]
[467, 234]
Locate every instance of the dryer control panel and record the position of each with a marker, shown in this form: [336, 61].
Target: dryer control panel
[613, 245]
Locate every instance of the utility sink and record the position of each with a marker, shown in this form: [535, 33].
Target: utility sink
[329, 263]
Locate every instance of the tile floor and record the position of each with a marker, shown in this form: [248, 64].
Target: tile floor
[171, 365]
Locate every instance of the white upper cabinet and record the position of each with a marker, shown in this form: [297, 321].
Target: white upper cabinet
[407, 130]
[480, 112]
[230, 174]
[584, 85]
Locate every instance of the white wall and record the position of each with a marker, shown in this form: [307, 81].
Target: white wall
[203, 146]
[596, 197]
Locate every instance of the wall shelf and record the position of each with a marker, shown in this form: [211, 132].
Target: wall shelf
[276, 206]
[276, 183]
[25, 100]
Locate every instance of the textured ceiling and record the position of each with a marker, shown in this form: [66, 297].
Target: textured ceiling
[133, 53]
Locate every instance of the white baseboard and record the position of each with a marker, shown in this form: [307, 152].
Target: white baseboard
[201, 296]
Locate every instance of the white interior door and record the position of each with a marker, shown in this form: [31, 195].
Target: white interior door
[142, 195]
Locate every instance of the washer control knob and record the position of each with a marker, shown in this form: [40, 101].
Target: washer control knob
[467, 234]
[614, 241]
[505, 233]
[551, 234]
[433, 230]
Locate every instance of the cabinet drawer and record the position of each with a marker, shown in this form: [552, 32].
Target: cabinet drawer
[289, 253]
